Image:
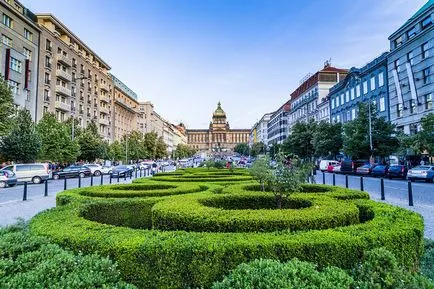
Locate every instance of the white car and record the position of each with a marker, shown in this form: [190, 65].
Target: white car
[97, 169]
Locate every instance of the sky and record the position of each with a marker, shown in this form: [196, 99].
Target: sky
[186, 55]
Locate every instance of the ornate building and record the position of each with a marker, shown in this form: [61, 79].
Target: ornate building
[218, 137]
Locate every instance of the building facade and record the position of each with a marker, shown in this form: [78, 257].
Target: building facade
[313, 91]
[73, 80]
[323, 110]
[259, 132]
[367, 84]
[277, 126]
[19, 52]
[410, 70]
[126, 112]
[219, 137]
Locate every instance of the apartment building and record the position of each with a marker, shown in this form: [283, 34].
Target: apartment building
[73, 80]
[126, 111]
[277, 126]
[410, 70]
[19, 50]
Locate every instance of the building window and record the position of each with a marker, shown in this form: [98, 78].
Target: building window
[48, 45]
[27, 53]
[398, 69]
[380, 79]
[338, 118]
[348, 115]
[353, 114]
[412, 105]
[337, 101]
[8, 21]
[413, 129]
[47, 78]
[365, 87]
[425, 50]
[410, 57]
[372, 83]
[398, 41]
[428, 101]
[352, 93]
[14, 86]
[28, 35]
[347, 96]
[46, 95]
[426, 22]
[6, 40]
[15, 65]
[426, 75]
[342, 99]
[411, 33]
[382, 104]
[358, 90]
[47, 61]
[399, 110]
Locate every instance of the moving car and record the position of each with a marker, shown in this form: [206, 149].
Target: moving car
[36, 173]
[7, 179]
[380, 170]
[122, 171]
[397, 171]
[421, 173]
[365, 169]
[73, 172]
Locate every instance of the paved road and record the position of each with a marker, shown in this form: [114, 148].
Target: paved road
[396, 193]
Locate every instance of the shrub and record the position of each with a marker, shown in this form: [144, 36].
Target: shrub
[271, 274]
[427, 261]
[33, 262]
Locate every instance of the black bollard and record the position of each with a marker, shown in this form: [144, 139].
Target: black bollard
[383, 197]
[135, 176]
[91, 180]
[46, 188]
[410, 194]
[25, 192]
[102, 179]
[323, 178]
[64, 185]
[131, 175]
[334, 179]
[110, 179]
[346, 181]
[140, 172]
[118, 177]
[361, 184]
[79, 181]
[125, 176]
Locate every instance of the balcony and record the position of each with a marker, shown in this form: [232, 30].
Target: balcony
[104, 110]
[63, 90]
[104, 121]
[64, 75]
[63, 106]
[104, 98]
[104, 86]
[64, 59]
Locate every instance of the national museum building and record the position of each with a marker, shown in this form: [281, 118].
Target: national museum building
[218, 137]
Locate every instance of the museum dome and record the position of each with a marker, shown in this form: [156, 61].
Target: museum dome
[219, 111]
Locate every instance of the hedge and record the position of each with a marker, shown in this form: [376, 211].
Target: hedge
[181, 259]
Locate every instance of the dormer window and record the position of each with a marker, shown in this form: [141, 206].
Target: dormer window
[411, 33]
[398, 41]
[426, 22]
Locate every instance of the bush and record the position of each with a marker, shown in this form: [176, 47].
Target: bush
[271, 274]
[427, 261]
[33, 262]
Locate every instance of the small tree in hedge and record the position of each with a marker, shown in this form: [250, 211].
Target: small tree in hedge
[261, 171]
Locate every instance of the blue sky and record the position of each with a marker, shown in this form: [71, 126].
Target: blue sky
[186, 55]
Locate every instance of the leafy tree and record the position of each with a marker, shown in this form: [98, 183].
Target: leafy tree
[136, 148]
[160, 148]
[90, 142]
[261, 171]
[183, 151]
[274, 150]
[425, 137]
[257, 149]
[6, 108]
[327, 139]
[300, 141]
[115, 151]
[149, 144]
[56, 142]
[22, 144]
[242, 148]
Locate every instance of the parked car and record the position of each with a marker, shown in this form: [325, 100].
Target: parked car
[365, 169]
[122, 171]
[421, 173]
[7, 179]
[36, 173]
[397, 171]
[380, 170]
[73, 172]
[324, 164]
[350, 166]
[97, 169]
[337, 169]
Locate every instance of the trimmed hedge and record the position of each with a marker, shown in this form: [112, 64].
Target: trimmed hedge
[180, 259]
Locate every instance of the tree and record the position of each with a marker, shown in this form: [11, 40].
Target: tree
[22, 144]
[160, 148]
[356, 135]
[90, 142]
[56, 142]
[300, 141]
[426, 136]
[183, 151]
[150, 144]
[136, 148]
[257, 149]
[327, 139]
[261, 171]
[242, 148]
[6, 108]
[115, 151]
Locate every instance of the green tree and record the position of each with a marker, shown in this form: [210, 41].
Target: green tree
[257, 149]
[115, 151]
[425, 137]
[56, 142]
[6, 108]
[327, 139]
[160, 148]
[300, 141]
[149, 144]
[183, 151]
[22, 144]
[136, 147]
[90, 142]
[261, 171]
[242, 148]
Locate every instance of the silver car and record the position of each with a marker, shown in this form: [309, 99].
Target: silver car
[98, 170]
[36, 173]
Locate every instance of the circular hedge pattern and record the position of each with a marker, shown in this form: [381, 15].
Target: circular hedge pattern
[129, 229]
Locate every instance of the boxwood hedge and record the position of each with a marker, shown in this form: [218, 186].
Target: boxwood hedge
[157, 258]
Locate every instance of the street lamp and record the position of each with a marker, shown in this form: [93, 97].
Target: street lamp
[73, 112]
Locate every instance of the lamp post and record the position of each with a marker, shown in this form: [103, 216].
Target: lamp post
[73, 112]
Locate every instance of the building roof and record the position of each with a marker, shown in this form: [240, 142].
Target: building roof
[219, 111]
[418, 13]
[123, 87]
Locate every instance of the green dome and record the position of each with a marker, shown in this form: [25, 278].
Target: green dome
[219, 111]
